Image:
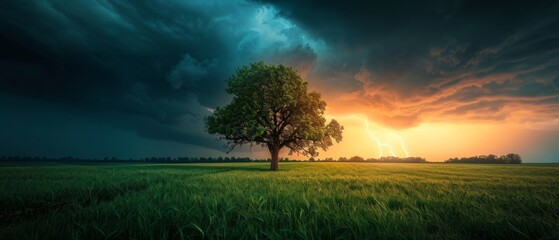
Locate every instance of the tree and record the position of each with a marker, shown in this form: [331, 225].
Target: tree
[272, 107]
[356, 159]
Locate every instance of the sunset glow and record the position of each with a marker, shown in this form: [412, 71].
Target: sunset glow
[436, 141]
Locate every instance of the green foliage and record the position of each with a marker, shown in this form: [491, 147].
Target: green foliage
[511, 158]
[272, 107]
[305, 201]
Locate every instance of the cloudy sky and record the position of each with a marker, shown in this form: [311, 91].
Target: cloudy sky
[436, 79]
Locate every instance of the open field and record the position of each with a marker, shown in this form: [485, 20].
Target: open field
[302, 201]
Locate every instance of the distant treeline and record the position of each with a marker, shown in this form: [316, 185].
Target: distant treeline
[147, 159]
[206, 159]
[378, 160]
[511, 158]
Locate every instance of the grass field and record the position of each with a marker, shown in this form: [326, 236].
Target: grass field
[301, 201]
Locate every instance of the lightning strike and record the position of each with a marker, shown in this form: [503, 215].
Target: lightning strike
[402, 144]
[384, 148]
[380, 145]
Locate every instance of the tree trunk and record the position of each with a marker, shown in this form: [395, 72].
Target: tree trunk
[274, 151]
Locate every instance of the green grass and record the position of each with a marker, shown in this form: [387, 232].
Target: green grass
[301, 201]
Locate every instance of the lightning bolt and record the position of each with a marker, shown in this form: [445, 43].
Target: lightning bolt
[402, 144]
[382, 146]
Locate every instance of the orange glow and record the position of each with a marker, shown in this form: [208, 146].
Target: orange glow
[384, 119]
[433, 141]
[380, 121]
[378, 141]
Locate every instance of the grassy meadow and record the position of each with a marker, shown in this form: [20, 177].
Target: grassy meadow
[301, 201]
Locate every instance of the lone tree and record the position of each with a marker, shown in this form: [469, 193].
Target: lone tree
[272, 107]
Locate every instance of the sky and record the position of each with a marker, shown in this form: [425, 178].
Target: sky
[134, 79]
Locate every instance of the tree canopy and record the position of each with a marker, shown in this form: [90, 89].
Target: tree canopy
[272, 107]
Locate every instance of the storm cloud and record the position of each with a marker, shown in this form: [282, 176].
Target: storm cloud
[438, 60]
[155, 68]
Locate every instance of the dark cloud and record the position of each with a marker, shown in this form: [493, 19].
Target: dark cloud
[156, 68]
[410, 59]
[129, 58]
[152, 67]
